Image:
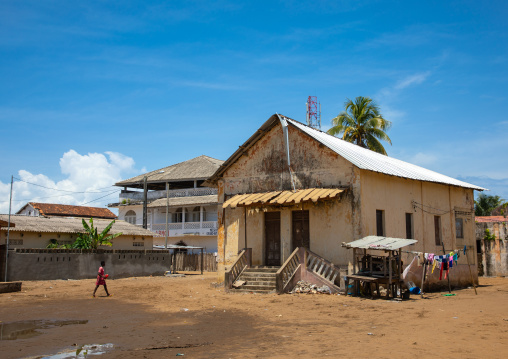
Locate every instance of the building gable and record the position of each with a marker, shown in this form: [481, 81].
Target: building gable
[264, 167]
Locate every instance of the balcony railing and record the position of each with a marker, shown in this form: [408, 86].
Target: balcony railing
[152, 195]
[208, 228]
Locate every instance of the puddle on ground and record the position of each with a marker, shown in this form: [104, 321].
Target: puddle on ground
[87, 350]
[30, 328]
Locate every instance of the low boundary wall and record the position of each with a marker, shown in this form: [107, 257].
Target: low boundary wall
[51, 264]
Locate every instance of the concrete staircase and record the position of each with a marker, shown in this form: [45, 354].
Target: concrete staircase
[257, 280]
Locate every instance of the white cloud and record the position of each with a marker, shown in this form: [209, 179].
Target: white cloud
[93, 173]
[388, 95]
[412, 80]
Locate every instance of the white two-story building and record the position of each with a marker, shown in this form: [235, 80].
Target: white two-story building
[174, 193]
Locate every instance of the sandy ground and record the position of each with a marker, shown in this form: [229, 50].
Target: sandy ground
[145, 319]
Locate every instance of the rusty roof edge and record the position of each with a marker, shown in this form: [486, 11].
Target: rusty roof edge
[268, 125]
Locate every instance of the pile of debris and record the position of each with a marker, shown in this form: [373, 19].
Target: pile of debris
[306, 287]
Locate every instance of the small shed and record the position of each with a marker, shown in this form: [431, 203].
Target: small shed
[178, 248]
[376, 260]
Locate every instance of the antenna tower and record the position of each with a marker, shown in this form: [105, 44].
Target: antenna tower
[313, 113]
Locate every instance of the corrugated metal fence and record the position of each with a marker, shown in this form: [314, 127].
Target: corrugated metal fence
[192, 262]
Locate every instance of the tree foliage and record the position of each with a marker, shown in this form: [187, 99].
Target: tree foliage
[362, 123]
[92, 239]
[485, 204]
[53, 244]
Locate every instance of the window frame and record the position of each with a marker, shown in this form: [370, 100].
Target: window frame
[438, 232]
[380, 223]
[461, 221]
[410, 233]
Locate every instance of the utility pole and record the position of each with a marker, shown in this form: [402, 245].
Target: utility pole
[8, 230]
[145, 199]
[167, 214]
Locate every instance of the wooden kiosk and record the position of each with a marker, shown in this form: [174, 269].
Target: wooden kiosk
[376, 260]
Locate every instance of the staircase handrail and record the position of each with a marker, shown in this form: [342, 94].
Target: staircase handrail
[316, 264]
[243, 261]
[288, 269]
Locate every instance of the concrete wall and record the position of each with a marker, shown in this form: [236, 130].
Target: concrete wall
[64, 265]
[41, 240]
[494, 253]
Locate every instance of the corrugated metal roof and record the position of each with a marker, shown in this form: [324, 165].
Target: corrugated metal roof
[67, 210]
[490, 219]
[185, 201]
[70, 225]
[369, 160]
[382, 243]
[282, 197]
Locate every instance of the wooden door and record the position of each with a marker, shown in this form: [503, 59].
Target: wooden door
[301, 236]
[272, 238]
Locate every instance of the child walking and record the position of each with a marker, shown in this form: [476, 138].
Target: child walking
[101, 280]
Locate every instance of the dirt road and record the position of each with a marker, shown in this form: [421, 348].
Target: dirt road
[147, 318]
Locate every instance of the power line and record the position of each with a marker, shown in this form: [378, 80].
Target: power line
[421, 205]
[32, 200]
[115, 191]
[61, 190]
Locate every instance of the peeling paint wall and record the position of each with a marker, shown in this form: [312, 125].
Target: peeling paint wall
[265, 167]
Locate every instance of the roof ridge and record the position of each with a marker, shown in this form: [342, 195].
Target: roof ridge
[378, 162]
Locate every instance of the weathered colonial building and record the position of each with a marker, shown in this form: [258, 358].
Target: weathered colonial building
[174, 193]
[333, 192]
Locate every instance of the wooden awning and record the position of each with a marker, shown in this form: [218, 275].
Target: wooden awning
[282, 197]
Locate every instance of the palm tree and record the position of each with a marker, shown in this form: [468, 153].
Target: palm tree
[485, 204]
[361, 123]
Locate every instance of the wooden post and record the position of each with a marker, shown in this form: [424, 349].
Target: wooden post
[423, 275]
[399, 271]
[389, 275]
[201, 260]
[354, 260]
[470, 273]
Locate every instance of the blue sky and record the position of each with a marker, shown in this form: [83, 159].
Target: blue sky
[93, 91]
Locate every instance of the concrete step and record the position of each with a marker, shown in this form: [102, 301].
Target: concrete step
[258, 280]
[255, 276]
[262, 269]
[254, 291]
[257, 287]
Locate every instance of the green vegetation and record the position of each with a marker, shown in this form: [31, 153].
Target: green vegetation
[361, 123]
[485, 204]
[91, 239]
[489, 236]
[53, 244]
